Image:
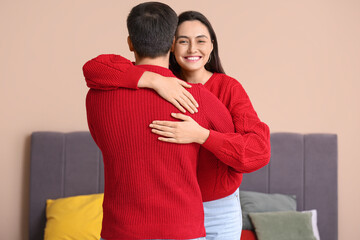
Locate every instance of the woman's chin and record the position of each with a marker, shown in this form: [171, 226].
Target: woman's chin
[192, 67]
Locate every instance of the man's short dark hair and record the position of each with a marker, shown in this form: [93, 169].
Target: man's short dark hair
[152, 27]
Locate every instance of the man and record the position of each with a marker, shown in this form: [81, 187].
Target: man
[151, 189]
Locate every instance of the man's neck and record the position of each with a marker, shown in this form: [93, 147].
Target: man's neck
[162, 61]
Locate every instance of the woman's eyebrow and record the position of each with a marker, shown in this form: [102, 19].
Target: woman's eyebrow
[182, 37]
[200, 36]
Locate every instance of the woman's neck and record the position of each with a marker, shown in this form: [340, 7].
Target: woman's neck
[199, 76]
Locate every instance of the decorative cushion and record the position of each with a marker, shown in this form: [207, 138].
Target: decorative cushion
[78, 217]
[248, 235]
[314, 223]
[262, 202]
[283, 225]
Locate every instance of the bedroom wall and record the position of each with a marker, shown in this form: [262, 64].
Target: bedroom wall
[298, 60]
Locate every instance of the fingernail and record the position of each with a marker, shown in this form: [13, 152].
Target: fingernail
[172, 114]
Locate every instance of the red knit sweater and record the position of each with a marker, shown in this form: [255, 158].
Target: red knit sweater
[151, 189]
[224, 156]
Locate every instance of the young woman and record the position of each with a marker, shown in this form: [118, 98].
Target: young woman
[224, 157]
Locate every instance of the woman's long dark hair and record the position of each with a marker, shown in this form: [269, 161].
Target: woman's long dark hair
[214, 65]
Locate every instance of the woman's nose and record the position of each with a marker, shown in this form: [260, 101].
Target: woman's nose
[191, 48]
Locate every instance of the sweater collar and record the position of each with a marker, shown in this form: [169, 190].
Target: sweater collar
[157, 69]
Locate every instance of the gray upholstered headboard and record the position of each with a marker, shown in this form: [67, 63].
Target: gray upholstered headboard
[305, 166]
[68, 164]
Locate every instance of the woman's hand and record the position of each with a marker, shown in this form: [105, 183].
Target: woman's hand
[171, 89]
[185, 131]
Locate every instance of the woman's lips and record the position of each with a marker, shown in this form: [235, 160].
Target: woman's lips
[192, 58]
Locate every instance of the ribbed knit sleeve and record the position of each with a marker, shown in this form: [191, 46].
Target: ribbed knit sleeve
[248, 149]
[216, 114]
[110, 71]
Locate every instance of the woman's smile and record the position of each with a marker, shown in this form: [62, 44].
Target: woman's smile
[192, 58]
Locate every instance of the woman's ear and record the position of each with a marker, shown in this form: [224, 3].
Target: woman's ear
[131, 47]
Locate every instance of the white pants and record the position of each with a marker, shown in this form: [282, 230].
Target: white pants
[223, 220]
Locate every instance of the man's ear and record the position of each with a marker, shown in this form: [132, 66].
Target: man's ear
[131, 47]
[173, 46]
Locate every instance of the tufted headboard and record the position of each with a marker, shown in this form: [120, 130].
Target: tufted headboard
[68, 164]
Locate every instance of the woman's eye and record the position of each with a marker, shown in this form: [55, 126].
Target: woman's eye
[183, 42]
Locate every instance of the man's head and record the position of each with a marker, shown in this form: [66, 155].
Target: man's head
[152, 27]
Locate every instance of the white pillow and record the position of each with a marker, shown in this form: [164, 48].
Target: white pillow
[314, 223]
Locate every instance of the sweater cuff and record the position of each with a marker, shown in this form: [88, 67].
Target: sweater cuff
[133, 75]
[214, 142]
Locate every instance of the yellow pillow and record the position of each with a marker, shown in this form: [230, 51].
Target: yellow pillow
[74, 218]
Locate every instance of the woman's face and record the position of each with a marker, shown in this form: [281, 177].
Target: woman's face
[192, 46]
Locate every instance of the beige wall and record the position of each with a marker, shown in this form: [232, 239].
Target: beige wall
[298, 60]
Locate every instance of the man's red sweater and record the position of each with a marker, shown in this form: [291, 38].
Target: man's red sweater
[224, 156]
[151, 188]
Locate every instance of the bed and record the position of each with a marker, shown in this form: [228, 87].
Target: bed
[304, 165]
